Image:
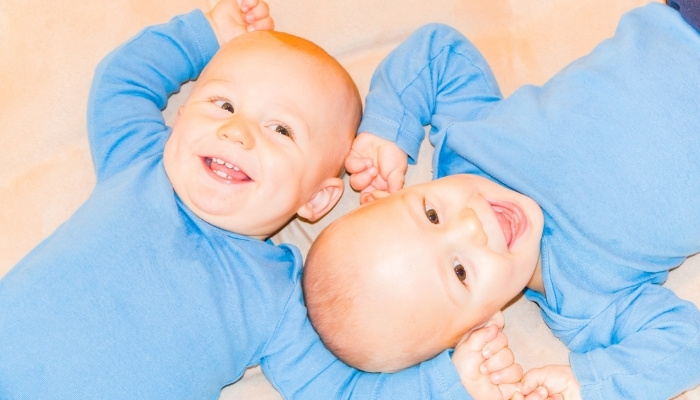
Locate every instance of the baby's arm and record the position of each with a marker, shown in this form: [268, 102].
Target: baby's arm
[486, 364]
[650, 351]
[435, 77]
[132, 84]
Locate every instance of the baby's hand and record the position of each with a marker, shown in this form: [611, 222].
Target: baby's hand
[551, 382]
[230, 18]
[486, 364]
[375, 164]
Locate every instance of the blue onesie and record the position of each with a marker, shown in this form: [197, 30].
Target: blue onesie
[610, 149]
[135, 297]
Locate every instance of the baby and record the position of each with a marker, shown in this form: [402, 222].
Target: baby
[164, 284]
[583, 192]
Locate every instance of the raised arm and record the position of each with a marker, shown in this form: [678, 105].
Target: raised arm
[435, 77]
[132, 84]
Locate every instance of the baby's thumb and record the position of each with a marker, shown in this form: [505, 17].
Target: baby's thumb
[395, 180]
[355, 163]
[511, 391]
[476, 340]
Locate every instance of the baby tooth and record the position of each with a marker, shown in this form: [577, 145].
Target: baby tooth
[221, 174]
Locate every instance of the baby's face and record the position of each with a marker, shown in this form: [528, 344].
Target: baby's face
[254, 139]
[442, 257]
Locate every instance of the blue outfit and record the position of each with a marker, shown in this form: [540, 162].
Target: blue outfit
[135, 297]
[610, 149]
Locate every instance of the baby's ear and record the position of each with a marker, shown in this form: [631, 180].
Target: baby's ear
[323, 200]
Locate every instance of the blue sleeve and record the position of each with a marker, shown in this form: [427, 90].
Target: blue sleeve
[434, 77]
[132, 84]
[689, 9]
[300, 367]
[651, 353]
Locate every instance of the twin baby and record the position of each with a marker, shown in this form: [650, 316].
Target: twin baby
[164, 284]
[582, 192]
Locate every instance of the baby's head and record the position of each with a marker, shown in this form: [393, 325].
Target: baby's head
[400, 279]
[263, 134]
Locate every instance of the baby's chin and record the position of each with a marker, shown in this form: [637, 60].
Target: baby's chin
[237, 221]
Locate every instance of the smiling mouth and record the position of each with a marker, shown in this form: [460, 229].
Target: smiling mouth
[225, 170]
[512, 220]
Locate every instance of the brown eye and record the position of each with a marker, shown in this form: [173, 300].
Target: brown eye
[227, 106]
[223, 104]
[432, 216]
[282, 130]
[460, 272]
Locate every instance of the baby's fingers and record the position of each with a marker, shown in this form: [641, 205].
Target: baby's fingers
[535, 380]
[539, 393]
[508, 375]
[355, 162]
[360, 181]
[476, 340]
[256, 14]
[395, 180]
[511, 391]
[498, 343]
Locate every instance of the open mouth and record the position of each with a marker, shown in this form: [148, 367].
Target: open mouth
[225, 169]
[512, 220]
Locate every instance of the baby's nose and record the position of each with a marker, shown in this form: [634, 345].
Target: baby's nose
[470, 227]
[238, 129]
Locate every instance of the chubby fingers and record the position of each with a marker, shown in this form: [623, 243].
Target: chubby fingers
[539, 382]
[395, 180]
[355, 162]
[361, 169]
[539, 393]
[498, 319]
[511, 391]
[256, 14]
[477, 339]
[499, 361]
[535, 380]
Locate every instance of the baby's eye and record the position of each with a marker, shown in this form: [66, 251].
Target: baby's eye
[460, 271]
[224, 105]
[432, 215]
[281, 129]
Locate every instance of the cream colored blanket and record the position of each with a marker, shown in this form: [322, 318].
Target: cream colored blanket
[49, 50]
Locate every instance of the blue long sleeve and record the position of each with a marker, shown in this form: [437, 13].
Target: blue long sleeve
[131, 87]
[435, 77]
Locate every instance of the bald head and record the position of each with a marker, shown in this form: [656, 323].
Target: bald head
[356, 305]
